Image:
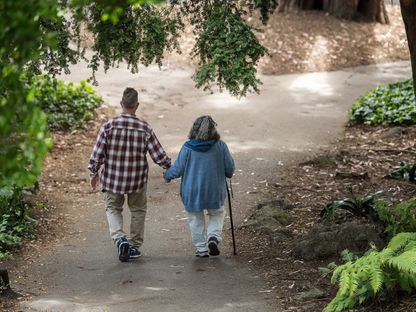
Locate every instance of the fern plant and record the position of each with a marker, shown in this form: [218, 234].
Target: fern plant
[364, 278]
[397, 218]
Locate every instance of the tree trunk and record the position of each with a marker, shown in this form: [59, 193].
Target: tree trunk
[408, 8]
[365, 10]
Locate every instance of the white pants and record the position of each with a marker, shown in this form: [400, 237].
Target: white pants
[196, 221]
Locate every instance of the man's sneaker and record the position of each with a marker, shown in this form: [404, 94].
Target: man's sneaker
[213, 246]
[202, 254]
[123, 249]
[134, 252]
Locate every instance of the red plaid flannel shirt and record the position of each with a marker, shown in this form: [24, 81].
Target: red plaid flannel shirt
[121, 149]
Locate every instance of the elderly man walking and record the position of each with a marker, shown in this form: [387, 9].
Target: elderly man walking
[120, 153]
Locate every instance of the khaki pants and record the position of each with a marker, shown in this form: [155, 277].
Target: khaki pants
[137, 203]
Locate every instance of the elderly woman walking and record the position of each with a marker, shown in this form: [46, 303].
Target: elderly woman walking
[203, 163]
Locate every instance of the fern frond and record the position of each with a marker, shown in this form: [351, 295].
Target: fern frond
[406, 282]
[345, 282]
[400, 241]
[337, 272]
[353, 284]
[405, 262]
[376, 277]
[339, 304]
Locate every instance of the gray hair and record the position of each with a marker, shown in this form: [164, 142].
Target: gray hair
[130, 98]
[204, 129]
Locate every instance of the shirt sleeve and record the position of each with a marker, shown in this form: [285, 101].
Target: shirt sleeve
[178, 168]
[98, 153]
[229, 162]
[156, 151]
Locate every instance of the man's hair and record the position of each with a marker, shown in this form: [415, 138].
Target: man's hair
[130, 98]
[204, 128]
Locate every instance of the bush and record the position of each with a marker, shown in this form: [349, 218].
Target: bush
[397, 218]
[67, 105]
[362, 279]
[15, 222]
[387, 105]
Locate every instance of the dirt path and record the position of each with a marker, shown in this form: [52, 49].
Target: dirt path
[294, 115]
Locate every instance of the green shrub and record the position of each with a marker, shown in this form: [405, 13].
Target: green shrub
[397, 218]
[67, 105]
[15, 222]
[392, 268]
[388, 105]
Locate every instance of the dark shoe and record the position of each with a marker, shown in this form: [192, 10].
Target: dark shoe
[202, 254]
[134, 252]
[123, 249]
[213, 246]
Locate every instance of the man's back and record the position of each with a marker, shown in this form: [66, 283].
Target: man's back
[122, 146]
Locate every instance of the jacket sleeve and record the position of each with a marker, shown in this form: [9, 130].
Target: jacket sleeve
[178, 168]
[229, 162]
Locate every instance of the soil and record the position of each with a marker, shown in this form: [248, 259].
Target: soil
[369, 153]
[314, 41]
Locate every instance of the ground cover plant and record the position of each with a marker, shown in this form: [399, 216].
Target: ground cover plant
[362, 207]
[67, 105]
[393, 104]
[404, 171]
[364, 278]
[15, 219]
[365, 154]
[397, 218]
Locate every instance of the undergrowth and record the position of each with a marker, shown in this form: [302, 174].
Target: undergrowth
[393, 104]
[15, 219]
[67, 105]
[362, 279]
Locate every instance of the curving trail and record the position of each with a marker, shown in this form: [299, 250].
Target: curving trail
[294, 115]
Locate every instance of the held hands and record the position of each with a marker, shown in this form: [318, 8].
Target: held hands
[166, 180]
[94, 182]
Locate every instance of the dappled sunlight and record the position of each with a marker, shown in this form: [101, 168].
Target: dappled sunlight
[239, 146]
[156, 288]
[316, 83]
[223, 100]
[319, 55]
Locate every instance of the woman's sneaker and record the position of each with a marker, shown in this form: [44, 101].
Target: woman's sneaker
[134, 252]
[213, 246]
[202, 254]
[123, 249]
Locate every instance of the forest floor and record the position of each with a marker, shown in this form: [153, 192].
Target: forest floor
[358, 161]
[314, 42]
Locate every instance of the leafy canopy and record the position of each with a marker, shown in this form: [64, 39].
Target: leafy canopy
[45, 36]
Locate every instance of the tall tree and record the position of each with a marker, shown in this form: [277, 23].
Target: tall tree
[366, 10]
[408, 8]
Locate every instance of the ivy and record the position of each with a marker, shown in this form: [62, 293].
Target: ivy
[393, 104]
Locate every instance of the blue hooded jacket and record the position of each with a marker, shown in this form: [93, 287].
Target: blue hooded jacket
[203, 166]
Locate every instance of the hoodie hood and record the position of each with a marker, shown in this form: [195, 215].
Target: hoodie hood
[200, 145]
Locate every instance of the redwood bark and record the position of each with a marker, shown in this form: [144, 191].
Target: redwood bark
[408, 8]
[366, 10]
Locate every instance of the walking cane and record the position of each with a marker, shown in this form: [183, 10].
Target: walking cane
[231, 214]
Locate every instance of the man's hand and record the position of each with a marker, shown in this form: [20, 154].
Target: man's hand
[94, 182]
